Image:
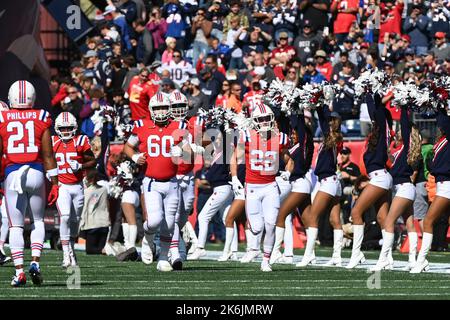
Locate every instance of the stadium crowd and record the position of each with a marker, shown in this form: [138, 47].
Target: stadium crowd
[224, 53]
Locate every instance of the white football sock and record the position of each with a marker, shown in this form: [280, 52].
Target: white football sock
[132, 235]
[427, 239]
[126, 234]
[413, 240]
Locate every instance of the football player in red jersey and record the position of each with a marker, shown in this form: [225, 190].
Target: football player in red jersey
[25, 140]
[73, 155]
[185, 175]
[263, 147]
[159, 143]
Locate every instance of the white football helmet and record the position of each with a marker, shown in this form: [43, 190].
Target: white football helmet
[4, 106]
[263, 117]
[178, 105]
[159, 107]
[21, 95]
[66, 126]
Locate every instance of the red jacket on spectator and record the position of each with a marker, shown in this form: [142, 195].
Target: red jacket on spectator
[325, 69]
[139, 96]
[343, 21]
[392, 22]
[287, 50]
[59, 96]
[200, 65]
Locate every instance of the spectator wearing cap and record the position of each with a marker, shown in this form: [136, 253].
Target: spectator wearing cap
[196, 99]
[439, 16]
[175, 15]
[391, 19]
[180, 70]
[167, 85]
[352, 54]
[118, 74]
[254, 94]
[343, 59]
[211, 61]
[441, 49]
[311, 75]
[415, 25]
[235, 8]
[284, 52]
[157, 26]
[284, 19]
[209, 85]
[144, 43]
[315, 11]
[344, 15]
[101, 68]
[111, 14]
[201, 32]
[323, 65]
[307, 42]
[349, 172]
[406, 62]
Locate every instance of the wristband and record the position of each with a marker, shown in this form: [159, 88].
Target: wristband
[136, 157]
[52, 172]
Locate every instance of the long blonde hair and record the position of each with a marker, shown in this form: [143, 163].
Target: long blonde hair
[334, 137]
[415, 147]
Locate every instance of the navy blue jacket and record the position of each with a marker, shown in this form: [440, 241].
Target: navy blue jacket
[440, 165]
[401, 171]
[327, 158]
[376, 159]
[299, 153]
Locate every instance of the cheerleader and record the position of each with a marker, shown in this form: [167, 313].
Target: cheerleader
[329, 192]
[440, 169]
[377, 192]
[402, 172]
[298, 163]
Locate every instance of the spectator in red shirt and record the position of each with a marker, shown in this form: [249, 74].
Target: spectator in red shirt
[391, 19]
[323, 65]
[284, 52]
[140, 87]
[344, 12]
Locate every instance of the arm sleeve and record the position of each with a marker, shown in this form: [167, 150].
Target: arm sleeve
[405, 127]
[323, 112]
[133, 140]
[298, 124]
[371, 106]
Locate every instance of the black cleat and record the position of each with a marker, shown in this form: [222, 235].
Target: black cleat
[4, 259]
[35, 273]
[177, 264]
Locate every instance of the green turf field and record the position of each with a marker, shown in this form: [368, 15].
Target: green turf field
[103, 277]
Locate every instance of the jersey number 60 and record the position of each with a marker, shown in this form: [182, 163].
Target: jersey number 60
[159, 146]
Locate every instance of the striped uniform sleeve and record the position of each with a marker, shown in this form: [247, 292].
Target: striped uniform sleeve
[44, 116]
[83, 143]
[284, 141]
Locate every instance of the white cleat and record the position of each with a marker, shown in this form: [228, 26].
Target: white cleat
[66, 261]
[265, 266]
[420, 267]
[336, 261]
[231, 256]
[355, 261]
[275, 256]
[382, 265]
[250, 255]
[409, 266]
[146, 252]
[286, 260]
[197, 254]
[192, 248]
[164, 266]
[306, 260]
[73, 258]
